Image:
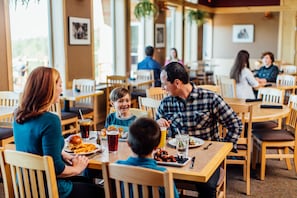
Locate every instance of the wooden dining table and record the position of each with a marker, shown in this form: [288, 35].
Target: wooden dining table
[207, 160]
[262, 114]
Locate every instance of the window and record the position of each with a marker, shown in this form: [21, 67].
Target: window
[191, 42]
[29, 39]
[103, 44]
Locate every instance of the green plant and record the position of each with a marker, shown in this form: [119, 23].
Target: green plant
[198, 16]
[146, 8]
[23, 2]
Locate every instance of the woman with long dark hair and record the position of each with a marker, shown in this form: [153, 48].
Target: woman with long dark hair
[245, 80]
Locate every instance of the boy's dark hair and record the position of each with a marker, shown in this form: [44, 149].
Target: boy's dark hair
[149, 51]
[144, 136]
[118, 93]
[175, 70]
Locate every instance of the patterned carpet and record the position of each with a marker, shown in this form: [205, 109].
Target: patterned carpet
[279, 182]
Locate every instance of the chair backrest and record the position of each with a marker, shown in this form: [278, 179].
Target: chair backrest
[157, 93]
[9, 98]
[138, 179]
[149, 105]
[293, 101]
[112, 82]
[28, 175]
[84, 85]
[227, 87]
[286, 80]
[56, 108]
[271, 95]
[143, 74]
[214, 88]
[289, 69]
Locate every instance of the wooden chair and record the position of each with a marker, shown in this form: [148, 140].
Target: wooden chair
[157, 93]
[244, 143]
[293, 101]
[270, 95]
[28, 175]
[214, 88]
[227, 87]
[284, 139]
[86, 105]
[69, 120]
[137, 179]
[289, 69]
[286, 80]
[8, 99]
[149, 105]
[142, 75]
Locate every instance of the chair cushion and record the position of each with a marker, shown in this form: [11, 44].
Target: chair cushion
[68, 115]
[135, 94]
[84, 110]
[273, 135]
[5, 133]
[265, 125]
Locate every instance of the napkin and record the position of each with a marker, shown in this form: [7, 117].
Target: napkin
[271, 106]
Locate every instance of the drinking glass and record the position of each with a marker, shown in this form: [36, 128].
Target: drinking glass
[182, 145]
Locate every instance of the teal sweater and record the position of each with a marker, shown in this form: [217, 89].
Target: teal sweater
[43, 136]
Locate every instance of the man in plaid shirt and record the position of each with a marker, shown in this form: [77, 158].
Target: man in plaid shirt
[195, 111]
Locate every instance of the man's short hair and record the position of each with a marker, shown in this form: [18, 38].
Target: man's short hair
[144, 136]
[175, 70]
[149, 51]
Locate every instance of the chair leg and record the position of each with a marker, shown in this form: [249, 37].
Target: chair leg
[263, 162]
[288, 162]
[295, 159]
[248, 178]
[254, 160]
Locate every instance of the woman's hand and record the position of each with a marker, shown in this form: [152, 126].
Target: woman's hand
[80, 162]
[67, 157]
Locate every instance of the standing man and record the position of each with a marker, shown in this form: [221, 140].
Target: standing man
[148, 63]
[197, 112]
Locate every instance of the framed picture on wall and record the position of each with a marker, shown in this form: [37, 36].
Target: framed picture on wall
[79, 31]
[160, 35]
[243, 33]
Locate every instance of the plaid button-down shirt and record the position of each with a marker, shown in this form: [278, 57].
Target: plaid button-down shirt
[199, 115]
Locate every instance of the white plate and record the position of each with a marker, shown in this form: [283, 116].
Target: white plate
[198, 142]
[179, 164]
[98, 149]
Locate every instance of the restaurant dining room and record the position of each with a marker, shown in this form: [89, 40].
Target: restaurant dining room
[148, 98]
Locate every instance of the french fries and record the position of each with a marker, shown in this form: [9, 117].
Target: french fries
[84, 148]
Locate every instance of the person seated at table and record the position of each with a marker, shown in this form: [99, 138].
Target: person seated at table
[173, 57]
[122, 118]
[144, 137]
[148, 63]
[38, 131]
[245, 80]
[197, 112]
[268, 72]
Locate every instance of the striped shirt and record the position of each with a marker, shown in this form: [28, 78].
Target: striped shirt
[199, 115]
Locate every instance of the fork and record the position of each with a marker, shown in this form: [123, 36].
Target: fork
[205, 148]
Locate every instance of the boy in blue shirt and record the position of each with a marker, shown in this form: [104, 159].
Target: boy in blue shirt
[143, 138]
